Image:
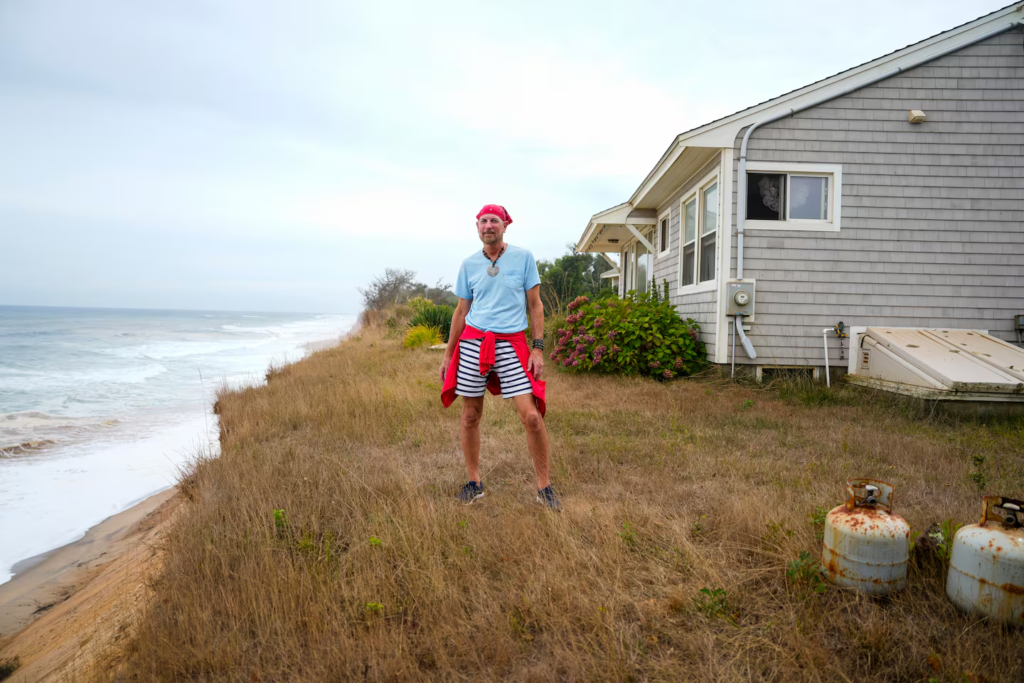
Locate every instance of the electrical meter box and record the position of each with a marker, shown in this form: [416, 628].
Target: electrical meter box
[1019, 320]
[740, 298]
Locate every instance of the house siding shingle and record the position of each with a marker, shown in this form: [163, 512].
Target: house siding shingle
[932, 230]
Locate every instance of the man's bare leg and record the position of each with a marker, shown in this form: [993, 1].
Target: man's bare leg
[536, 437]
[472, 409]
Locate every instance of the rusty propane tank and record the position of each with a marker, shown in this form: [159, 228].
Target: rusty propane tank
[866, 546]
[986, 567]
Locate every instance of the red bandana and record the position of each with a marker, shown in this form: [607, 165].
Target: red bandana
[497, 210]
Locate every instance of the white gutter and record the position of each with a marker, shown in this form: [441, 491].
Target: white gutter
[741, 190]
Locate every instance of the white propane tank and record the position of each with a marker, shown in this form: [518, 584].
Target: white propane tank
[866, 546]
[986, 567]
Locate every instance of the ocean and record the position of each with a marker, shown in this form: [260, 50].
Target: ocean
[100, 408]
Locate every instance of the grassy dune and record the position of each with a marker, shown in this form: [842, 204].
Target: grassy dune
[372, 571]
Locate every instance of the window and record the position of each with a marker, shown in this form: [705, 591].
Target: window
[663, 235]
[699, 239]
[793, 196]
[771, 196]
[766, 196]
[689, 238]
[808, 197]
[709, 231]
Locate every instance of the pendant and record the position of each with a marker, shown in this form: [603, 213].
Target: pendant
[492, 270]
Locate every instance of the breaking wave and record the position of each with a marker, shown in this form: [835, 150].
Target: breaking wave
[32, 430]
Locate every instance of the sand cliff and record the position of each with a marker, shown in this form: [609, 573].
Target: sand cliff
[60, 613]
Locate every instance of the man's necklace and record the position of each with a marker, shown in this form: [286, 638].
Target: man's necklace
[493, 270]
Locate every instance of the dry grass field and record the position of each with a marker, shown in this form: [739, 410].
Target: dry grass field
[369, 569]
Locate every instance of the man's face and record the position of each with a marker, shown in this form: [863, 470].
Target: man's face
[490, 228]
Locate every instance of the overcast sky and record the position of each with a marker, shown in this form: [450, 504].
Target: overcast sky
[274, 156]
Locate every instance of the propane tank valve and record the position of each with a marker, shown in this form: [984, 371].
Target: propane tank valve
[1011, 519]
[871, 498]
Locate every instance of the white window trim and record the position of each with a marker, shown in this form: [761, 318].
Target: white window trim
[689, 197]
[701, 206]
[698, 193]
[635, 244]
[835, 174]
[663, 249]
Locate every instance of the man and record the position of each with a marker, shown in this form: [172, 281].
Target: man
[487, 348]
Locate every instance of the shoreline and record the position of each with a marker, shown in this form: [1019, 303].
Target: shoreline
[47, 579]
[324, 344]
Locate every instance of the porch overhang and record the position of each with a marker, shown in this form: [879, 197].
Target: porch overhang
[675, 167]
[608, 230]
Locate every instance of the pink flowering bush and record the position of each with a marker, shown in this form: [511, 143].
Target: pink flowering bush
[640, 334]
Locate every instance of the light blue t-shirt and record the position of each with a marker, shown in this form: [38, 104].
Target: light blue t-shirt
[499, 302]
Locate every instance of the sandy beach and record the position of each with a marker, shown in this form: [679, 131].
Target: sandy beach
[62, 607]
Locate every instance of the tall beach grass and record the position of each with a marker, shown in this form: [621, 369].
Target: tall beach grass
[325, 542]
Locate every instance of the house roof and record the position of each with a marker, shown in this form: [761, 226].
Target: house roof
[608, 228]
[722, 132]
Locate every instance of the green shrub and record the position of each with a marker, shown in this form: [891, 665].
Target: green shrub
[438, 317]
[808, 572]
[637, 335]
[714, 602]
[418, 303]
[422, 335]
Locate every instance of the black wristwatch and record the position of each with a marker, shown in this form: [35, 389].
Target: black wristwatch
[538, 344]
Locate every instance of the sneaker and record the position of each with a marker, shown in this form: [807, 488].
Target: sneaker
[470, 492]
[549, 499]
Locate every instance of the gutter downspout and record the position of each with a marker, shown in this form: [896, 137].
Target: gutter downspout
[741, 190]
[824, 339]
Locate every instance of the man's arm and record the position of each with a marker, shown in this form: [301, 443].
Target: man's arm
[536, 308]
[458, 326]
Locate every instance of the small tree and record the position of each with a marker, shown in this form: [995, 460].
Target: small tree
[398, 285]
[571, 276]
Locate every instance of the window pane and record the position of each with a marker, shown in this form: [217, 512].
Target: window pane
[643, 268]
[710, 210]
[691, 222]
[663, 243]
[707, 258]
[766, 196]
[688, 257]
[808, 197]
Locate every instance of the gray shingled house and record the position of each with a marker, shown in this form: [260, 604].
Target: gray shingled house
[891, 194]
